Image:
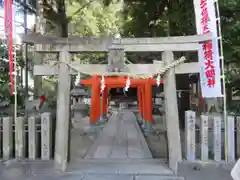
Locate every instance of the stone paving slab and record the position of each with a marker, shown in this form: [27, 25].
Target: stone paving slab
[133, 171]
[158, 178]
[97, 177]
[128, 167]
[205, 170]
[57, 177]
[108, 177]
[127, 170]
[120, 138]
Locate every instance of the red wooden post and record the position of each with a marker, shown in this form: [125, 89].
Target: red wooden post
[139, 94]
[105, 102]
[95, 111]
[143, 102]
[148, 105]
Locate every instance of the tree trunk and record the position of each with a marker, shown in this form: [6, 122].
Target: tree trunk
[63, 27]
[38, 58]
[229, 93]
[63, 32]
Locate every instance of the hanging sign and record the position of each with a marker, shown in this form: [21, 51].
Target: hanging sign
[208, 53]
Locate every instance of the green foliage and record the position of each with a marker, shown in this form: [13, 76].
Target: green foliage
[234, 107]
[5, 92]
[94, 18]
[230, 13]
[158, 18]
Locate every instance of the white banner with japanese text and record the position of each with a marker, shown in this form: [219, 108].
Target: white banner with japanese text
[208, 52]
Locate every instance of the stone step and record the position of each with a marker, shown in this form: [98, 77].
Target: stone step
[90, 170]
[120, 167]
[159, 177]
[102, 177]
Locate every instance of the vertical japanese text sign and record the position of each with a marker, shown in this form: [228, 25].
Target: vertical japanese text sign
[208, 53]
[190, 121]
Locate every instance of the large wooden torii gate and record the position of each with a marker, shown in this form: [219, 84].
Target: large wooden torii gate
[116, 49]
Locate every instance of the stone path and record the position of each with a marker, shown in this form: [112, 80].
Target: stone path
[136, 166]
[140, 170]
[121, 138]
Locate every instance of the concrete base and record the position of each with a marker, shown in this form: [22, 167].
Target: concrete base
[139, 118]
[208, 170]
[93, 128]
[103, 119]
[114, 170]
[147, 127]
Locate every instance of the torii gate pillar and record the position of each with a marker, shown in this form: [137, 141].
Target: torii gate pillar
[63, 102]
[172, 118]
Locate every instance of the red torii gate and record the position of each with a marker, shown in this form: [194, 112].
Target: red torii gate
[144, 87]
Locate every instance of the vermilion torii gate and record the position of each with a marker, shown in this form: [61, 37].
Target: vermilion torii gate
[64, 68]
[144, 87]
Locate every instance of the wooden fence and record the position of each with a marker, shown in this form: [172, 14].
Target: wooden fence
[29, 138]
[205, 137]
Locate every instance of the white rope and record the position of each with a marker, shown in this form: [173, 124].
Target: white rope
[78, 78]
[102, 84]
[158, 79]
[130, 75]
[128, 82]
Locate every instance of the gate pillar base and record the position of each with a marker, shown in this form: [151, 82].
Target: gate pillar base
[139, 118]
[93, 128]
[147, 127]
[103, 118]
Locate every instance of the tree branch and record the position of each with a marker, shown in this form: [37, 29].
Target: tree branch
[26, 6]
[51, 15]
[79, 10]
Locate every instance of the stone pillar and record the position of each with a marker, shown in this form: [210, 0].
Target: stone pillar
[217, 138]
[231, 138]
[46, 136]
[32, 137]
[20, 138]
[190, 135]
[7, 138]
[62, 124]
[172, 118]
[204, 137]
